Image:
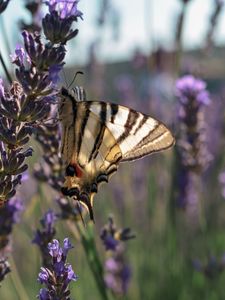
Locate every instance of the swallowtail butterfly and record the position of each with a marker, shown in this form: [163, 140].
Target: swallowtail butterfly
[97, 136]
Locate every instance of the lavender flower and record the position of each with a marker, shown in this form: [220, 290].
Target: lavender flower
[57, 28]
[212, 268]
[44, 236]
[57, 24]
[111, 237]
[65, 8]
[59, 273]
[117, 271]
[9, 215]
[192, 91]
[29, 100]
[51, 168]
[193, 154]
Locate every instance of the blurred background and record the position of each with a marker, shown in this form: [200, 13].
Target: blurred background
[132, 53]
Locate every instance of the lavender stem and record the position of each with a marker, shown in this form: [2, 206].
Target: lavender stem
[21, 292]
[88, 243]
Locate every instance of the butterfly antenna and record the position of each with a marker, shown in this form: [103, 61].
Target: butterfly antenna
[78, 72]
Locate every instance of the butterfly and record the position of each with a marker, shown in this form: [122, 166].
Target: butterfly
[97, 136]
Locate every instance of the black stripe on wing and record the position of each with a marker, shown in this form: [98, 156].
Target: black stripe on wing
[147, 140]
[83, 125]
[143, 121]
[130, 122]
[99, 137]
[114, 110]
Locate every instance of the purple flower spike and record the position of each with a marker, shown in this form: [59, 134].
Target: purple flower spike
[48, 221]
[45, 235]
[71, 275]
[117, 271]
[212, 268]
[55, 250]
[59, 273]
[66, 246]
[43, 276]
[44, 294]
[20, 58]
[9, 215]
[111, 237]
[65, 8]
[193, 153]
[189, 87]
[57, 25]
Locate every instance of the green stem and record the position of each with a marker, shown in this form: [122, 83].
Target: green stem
[21, 292]
[92, 256]
[178, 40]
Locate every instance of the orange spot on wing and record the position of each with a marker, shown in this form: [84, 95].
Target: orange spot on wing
[78, 170]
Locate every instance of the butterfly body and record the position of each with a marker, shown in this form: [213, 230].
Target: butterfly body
[96, 136]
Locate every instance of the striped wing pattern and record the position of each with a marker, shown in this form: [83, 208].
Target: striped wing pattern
[97, 136]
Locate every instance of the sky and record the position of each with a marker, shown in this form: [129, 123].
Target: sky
[144, 24]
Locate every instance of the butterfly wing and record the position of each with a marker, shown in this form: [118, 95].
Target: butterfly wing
[97, 136]
[135, 133]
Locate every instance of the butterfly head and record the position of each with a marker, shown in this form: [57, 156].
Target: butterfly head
[68, 102]
[75, 94]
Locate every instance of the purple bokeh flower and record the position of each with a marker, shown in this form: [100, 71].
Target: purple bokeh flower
[58, 275]
[9, 215]
[212, 268]
[117, 271]
[45, 235]
[190, 89]
[192, 150]
[111, 236]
